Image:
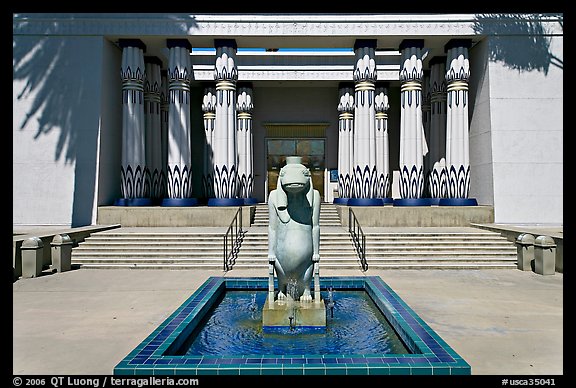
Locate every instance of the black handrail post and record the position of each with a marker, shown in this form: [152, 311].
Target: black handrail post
[236, 236]
[225, 251]
[358, 237]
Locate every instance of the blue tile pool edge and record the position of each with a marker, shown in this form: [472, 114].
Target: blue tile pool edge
[431, 355]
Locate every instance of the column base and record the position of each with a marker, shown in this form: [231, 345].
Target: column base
[251, 201]
[434, 201]
[365, 202]
[133, 202]
[340, 201]
[387, 201]
[157, 201]
[457, 202]
[179, 202]
[412, 202]
[226, 202]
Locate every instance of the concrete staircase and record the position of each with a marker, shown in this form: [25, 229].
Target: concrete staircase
[439, 250]
[129, 248]
[174, 249]
[409, 250]
[328, 215]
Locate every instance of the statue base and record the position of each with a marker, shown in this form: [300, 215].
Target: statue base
[289, 314]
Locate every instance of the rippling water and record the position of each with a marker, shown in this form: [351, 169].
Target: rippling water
[234, 328]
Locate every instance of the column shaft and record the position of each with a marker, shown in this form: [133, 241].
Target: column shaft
[209, 108]
[382, 147]
[135, 178]
[412, 140]
[152, 100]
[164, 109]
[457, 140]
[364, 171]
[244, 107]
[437, 182]
[345, 141]
[426, 115]
[225, 155]
[179, 142]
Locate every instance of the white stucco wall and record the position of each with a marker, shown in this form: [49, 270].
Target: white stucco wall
[56, 111]
[526, 120]
[481, 166]
[110, 134]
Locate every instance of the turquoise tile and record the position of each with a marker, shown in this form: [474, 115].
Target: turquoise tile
[379, 370]
[314, 371]
[440, 370]
[250, 371]
[400, 370]
[460, 371]
[293, 371]
[352, 370]
[140, 370]
[421, 370]
[271, 371]
[228, 371]
[163, 369]
[185, 370]
[123, 371]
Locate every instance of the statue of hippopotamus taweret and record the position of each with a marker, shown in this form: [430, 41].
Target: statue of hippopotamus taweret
[294, 231]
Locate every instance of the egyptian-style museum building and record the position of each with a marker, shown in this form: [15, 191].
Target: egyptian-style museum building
[201, 110]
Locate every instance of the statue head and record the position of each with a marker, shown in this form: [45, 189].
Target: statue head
[294, 178]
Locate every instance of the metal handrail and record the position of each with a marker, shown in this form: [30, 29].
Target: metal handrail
[233, 238]
[358, 238]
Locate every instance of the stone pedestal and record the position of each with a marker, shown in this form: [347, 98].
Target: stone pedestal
[32, 257]
[544, 255]
[525, 251]
[287, 314]
[61, 252]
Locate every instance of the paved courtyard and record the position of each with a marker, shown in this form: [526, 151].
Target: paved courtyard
[502, 322]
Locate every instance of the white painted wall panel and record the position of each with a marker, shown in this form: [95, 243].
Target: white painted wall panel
[56, 105]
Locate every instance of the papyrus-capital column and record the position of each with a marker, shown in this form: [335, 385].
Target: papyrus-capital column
[244, 138]
[164, 110]
[365, 176]
[209, 115]
[382, 148]
[413, 145]
[345, 142]
[437, 182]
[426, 125]
[179, 182]
[135, 177]
[457, 138]
[225, 152]
[152, 118]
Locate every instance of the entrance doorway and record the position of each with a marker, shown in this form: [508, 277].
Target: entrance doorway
[312, 152]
